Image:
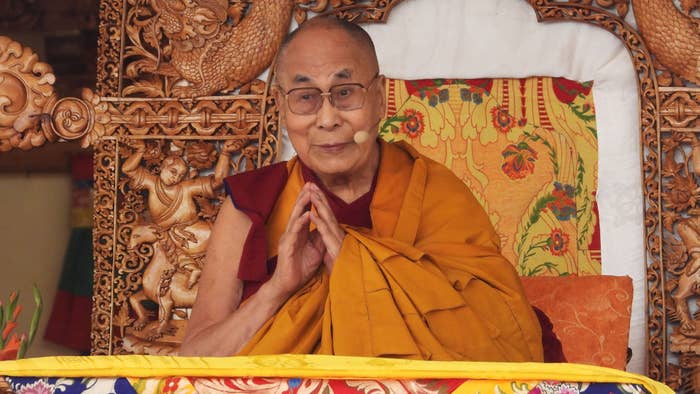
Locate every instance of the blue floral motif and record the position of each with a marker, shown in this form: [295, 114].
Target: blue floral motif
[564, 205]
[294, 383]
[433, 101]
[36, 385]
[444, 95]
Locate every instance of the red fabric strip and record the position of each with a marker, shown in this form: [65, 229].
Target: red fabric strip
[255, 193]
[69, 324]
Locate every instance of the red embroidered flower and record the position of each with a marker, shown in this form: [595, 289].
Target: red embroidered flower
[171, 385]
[518, 160]
[558, 242]
[567, 90]
[502, 120]
[413, 126]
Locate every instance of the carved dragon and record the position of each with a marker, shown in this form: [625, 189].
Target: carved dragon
[671, 35]
[210, 54]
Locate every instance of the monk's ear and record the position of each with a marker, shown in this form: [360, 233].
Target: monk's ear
[381, 92]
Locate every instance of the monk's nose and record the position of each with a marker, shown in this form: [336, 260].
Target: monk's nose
[327, 117]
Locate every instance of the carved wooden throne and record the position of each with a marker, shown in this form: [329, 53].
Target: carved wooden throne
[182, 100]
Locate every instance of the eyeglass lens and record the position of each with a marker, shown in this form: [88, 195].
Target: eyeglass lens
[304, 101]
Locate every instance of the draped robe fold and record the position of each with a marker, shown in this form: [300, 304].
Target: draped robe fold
[427, 281]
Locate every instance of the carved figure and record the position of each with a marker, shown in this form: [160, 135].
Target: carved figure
[673, 36]
[689, 281]
[159, 272]
[689, 231]
[135, 345]
[198, 32]
[178, 236]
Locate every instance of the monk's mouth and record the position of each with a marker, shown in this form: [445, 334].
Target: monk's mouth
[337, 147]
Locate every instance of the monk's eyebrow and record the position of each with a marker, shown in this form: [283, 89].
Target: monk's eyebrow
[299, 78]
[343, 74]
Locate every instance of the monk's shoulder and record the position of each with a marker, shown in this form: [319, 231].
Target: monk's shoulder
[250, 188]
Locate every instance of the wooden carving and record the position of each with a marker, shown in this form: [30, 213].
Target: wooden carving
[26, 92]
[173, 43]
[680, 109]
[164, 227]
[681, 220]
[673, 36]
[172, 226]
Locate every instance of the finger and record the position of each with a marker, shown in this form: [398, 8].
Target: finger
[299, 224]
[327, 227]
[332, 235]
[323, 207]
[325, 216]
[295, 236]
[317, 242]
[303, 199]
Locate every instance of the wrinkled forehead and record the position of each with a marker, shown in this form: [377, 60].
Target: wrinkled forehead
[325, 53]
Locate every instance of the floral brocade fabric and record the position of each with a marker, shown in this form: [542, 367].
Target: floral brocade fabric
[184, 385]
[527, 148]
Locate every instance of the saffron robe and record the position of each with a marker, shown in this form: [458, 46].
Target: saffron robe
[427, 281]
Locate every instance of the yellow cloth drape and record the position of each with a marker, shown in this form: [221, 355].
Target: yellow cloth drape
[426, 282]
[315, 366]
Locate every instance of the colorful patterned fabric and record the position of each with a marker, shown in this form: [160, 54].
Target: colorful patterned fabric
[33, 385]
[527, 149]
[183, 385]
[309, 374]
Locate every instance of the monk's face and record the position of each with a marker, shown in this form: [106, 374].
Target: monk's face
[322, 58]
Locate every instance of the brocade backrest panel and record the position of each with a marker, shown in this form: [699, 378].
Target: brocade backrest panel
[527, 149]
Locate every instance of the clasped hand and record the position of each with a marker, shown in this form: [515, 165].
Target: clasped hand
[301, 251]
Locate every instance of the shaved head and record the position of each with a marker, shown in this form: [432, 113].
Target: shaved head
[318, 25]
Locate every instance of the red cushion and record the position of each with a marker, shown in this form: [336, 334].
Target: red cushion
[590, 315]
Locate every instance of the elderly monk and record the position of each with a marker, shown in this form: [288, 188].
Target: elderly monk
[356, 246]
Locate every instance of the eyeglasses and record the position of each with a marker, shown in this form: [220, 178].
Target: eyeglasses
[343, 97]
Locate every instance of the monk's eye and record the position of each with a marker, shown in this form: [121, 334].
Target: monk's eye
[344, 92]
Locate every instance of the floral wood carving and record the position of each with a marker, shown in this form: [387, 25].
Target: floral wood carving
[357, 11]
[26, 92]
[681, 224]
[109, 46]
[103, 244]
